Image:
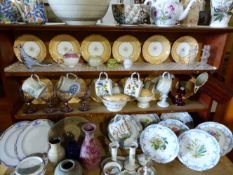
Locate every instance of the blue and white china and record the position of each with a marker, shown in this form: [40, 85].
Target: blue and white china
[160, 143]
[33, 165]
[7, 144]
[175, 125]
[103, 86]
[184, 117]
[168, 12]
[198, 150]
[124, 129]
[9, 12]
[146, 119]
[33, 139]
[68, 167]
[221, 133]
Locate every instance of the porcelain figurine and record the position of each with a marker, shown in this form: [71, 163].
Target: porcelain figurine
[221, 12]
[56, 152]
[168, 12]
[68, 167]
[90, 155]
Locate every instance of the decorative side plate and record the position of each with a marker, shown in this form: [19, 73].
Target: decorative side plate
[175, 125]
[96, 45]
[185, 50]
[126, 46]
[7, 144]
[146, 119]
[61, 44]
[160, 143]
[156, 49]
[221, 133]
[33, 139]
[198, 150]
[32, 45]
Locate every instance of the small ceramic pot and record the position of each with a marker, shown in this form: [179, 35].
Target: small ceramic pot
[71, 59]
[112, 168]
[68, 167]
[127, 63]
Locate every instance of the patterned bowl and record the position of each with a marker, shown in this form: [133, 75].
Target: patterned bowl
[131, 13]
[114, 106]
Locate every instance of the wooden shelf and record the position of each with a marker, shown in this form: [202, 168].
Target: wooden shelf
[115, 28]
[100, 109]
[18, 69]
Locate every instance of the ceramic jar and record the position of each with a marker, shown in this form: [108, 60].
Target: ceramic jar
[221, 12]
[56, 152]
[127, 63]
[68, 167]
[90, 155]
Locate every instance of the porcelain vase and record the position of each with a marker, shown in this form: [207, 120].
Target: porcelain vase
[56, 152]
[90, 154]
[221, 12]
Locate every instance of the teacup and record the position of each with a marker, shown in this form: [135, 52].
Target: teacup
[69, 84]
[34, 86]
[71, 59]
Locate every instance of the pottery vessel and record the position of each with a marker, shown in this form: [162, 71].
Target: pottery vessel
[168, 12]
[133, 86]
[112, 168]
[90, 155]
[131, 13]
[71, 59]
[56, 152]
[144, 102]
[221, 11]
[68, 167]
[127, 63]
[79, 12]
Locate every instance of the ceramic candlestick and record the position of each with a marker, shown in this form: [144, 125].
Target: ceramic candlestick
[131, 164]
[114, 147]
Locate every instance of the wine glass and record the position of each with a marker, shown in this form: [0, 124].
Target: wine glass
[49, 97]
[29, 108]
[65, 97]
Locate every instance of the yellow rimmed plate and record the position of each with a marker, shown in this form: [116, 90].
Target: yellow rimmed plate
[32, 45]
[156, 49]
[96, 45]
[61, 44]
[126, 46]
[185, 50]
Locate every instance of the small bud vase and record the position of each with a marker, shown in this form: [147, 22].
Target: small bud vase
[56, 152]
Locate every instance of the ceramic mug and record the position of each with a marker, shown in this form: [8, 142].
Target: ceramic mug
[34, 86]
[69, 83]
[133, 86]
[164, 84]
[103, 86]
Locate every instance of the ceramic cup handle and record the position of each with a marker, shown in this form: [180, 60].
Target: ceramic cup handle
[103, 73]
[72, 75]
[166, 74]
[37, 78]
[135, 73]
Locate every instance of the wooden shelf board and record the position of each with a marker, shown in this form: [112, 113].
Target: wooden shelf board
[99, 109]
[18, 69]
[115, 28]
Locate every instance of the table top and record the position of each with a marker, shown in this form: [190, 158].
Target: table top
[224, 167]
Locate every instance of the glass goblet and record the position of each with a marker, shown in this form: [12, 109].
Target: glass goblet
[29, 108]
[65, 97]
[49, 98]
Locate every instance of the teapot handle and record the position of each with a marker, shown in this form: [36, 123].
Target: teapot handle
[103, 73]
[72, 75]
[168, 75]
[135, 73]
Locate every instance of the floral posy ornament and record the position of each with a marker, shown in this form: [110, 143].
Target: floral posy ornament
[133, 86]
[103, 86]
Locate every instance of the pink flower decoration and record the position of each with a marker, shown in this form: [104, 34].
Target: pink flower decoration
[171, 8]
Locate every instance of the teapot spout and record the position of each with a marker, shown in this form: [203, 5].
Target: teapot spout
[186, 11]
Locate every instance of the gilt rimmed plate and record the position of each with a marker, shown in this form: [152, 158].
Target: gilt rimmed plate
[175, 125]
[126, 46]
[184, 117]
[68, 128]
[156, 49]
[146, 119]
[61, 44]
[32, 45]
[185, 50]
[7, 144]
[96, 45]
[198, 150]
[221, 133]
[33, 139]
[159, 143]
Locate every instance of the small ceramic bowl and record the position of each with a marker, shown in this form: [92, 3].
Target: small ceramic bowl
[114, 106]
[71, 59]
[131, 13]
[144, 102]
[112, 168]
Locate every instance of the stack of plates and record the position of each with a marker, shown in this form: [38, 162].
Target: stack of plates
[24, 139]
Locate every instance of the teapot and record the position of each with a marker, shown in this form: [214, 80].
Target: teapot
[168, 12]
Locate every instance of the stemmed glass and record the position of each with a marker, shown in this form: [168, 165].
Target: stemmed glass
[29, 109]
[49, 98]
[65, 97]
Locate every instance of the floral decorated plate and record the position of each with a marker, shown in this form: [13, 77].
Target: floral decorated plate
[160, 143]
[32, 45]
[124, 129]
[175, 125]
[184, 117]
[33, 139]
[146, 119]
[198, 150]
[96, 45]
[156, 49]
[61, 44]
[185, 50]
[7, 143]
[126, 46]
[221, 133]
